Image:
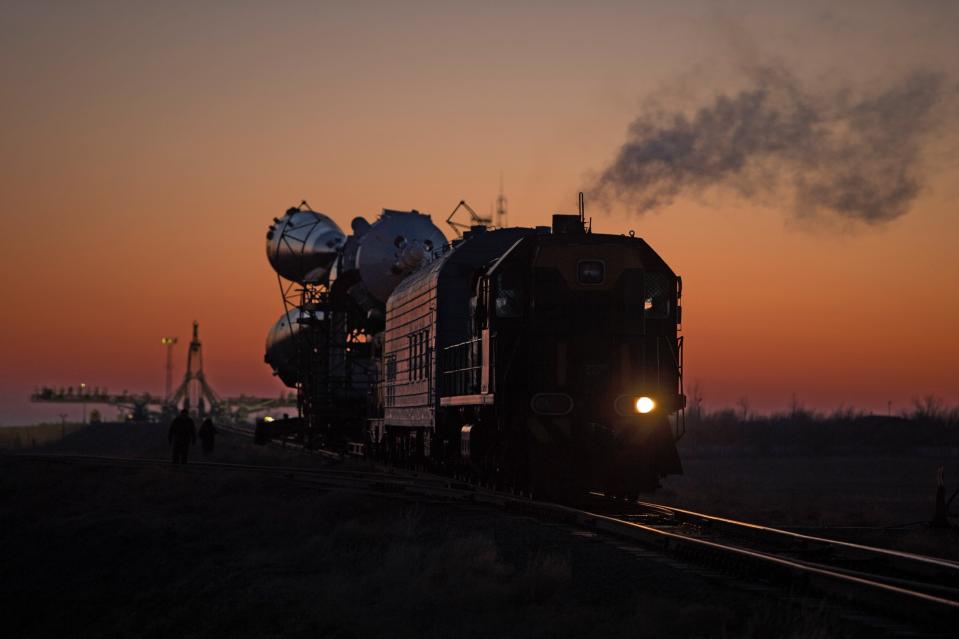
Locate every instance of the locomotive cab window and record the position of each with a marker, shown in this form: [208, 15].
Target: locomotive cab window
[590, 272]
[656, 297]
[510, 295]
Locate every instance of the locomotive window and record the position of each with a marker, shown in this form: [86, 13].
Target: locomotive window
[390, 368]
[426, 355]
[420, 354]
[590, 272]
[510, 297]
[390, 377]
[656, 298]
[410, 355]
[417, 350]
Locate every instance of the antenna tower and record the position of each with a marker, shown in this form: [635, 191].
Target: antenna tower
[501, 212]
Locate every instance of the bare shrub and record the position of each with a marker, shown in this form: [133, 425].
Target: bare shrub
[928, 409]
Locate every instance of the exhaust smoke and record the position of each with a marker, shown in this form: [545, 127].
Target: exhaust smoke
[854, 156]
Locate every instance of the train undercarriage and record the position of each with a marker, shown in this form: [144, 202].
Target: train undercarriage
[526, 456]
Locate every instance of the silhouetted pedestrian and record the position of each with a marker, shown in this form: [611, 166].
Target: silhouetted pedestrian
[207, 435]
[182, 434]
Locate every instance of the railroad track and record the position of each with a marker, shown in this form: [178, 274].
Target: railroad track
[878, 585]
[930, 575]
[916, 589]
[909, 586]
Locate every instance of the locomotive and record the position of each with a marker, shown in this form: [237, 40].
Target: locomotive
[542, 359]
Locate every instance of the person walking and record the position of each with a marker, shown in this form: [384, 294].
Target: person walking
[182, 434]
[207, 435]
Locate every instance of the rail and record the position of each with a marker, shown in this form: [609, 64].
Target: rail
[899, 564]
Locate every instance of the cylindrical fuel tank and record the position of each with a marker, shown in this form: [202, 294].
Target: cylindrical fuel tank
[378, 256]
[281, 348]
[302, 245]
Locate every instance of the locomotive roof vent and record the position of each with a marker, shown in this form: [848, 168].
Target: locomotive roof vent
[571, 224]
[475, 230]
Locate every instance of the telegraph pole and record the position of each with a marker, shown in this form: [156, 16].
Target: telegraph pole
[169, 342]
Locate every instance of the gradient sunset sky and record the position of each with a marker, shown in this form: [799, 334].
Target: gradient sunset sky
[145, 147]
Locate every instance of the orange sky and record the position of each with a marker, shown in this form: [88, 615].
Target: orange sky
[144, 150]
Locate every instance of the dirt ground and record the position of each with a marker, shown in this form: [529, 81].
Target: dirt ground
[165, 552]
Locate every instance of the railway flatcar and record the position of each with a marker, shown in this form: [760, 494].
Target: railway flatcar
[545, 360]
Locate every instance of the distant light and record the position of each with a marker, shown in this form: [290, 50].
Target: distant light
[645, 405]
[268, 419]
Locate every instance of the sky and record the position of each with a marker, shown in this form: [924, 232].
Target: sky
[145, 148]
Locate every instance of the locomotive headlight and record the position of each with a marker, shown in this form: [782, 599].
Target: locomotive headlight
[645, 405]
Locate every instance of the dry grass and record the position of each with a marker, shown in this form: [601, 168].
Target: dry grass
[812, 491]
[188, 552]
[21, 437]
[184, 552]
[880, 500]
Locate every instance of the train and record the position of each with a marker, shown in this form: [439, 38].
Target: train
[546, 360]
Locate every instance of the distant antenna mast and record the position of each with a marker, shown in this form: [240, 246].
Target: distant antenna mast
[501, 212]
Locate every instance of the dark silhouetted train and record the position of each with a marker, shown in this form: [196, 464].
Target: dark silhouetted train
[540, 359]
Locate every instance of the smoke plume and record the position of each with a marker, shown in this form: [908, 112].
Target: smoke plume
[856, 156]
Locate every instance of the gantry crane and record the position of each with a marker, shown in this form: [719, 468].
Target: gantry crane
[476, 220]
